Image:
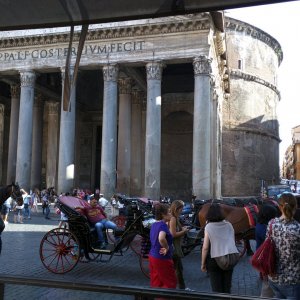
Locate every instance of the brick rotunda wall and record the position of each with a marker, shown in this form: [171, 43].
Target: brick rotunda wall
[250, 126]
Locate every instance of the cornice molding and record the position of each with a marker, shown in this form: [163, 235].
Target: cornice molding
[241, 75]
[240, 26]
[228, 126]
[163, 26]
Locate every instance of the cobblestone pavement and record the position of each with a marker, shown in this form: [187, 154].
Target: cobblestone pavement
[20, 257]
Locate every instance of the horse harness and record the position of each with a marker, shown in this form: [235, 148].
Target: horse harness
[251, 211]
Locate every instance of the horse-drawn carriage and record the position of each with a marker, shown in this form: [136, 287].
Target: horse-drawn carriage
[61, 249]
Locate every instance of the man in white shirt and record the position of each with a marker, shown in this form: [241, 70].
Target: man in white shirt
[102, 201]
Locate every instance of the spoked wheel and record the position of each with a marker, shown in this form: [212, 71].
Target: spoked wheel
[141, 246]
[241, 246]
[92, 257]
[110, 236]
[59, 250]
[144, 265]
[120, 221]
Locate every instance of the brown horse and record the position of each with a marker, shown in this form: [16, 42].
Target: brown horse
[12, 190]
[237, 216]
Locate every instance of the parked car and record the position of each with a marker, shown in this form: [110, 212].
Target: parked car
[274, 190]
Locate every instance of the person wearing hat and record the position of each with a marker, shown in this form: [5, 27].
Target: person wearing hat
[102, 201]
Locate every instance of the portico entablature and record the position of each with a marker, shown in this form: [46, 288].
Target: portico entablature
[178, 39]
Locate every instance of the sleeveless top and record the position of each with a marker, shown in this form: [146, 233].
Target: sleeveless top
[221, 236]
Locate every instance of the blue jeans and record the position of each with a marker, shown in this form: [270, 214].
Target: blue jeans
[104, 224]
[26, 212]
[284, 291]
[47, 212]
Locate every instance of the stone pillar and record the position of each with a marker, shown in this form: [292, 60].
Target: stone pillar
[144, 118]
[13, 133]
[1, 138]
[153, 130]
[109, 130]
[24, 148]
[37, 142]
[124, 137]
[202, 186]
[52, 143]
[136, 144]
[66, 154]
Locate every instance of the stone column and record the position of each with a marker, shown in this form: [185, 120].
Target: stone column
[1, 138]
[13, 133]
[136, 144]
[153, 130]
[24, 148]
[66, 154]
[124, 136]
[144, 118]
[109, 130]
[37, 142]
[202, 186]
[52, 143]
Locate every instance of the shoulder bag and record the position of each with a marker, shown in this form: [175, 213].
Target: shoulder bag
[228, 261]
[264, 259]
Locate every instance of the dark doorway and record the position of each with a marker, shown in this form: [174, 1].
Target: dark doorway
[176, 160]
[98, 156]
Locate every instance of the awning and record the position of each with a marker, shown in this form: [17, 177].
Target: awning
[25, 14]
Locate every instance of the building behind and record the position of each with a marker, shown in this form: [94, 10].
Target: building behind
[291, 163]
[195, 108]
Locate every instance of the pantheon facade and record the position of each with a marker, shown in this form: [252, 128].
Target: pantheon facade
[171, 106]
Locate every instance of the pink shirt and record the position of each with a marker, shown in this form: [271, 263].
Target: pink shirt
[94, 214]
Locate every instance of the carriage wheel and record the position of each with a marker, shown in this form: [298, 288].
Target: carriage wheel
[136, 246]
[59, 250]
[241, 246]
[144, 265]
[110, 235]
[92, 257]
[120, 221]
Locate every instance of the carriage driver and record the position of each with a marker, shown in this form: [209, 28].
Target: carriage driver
[96, 216]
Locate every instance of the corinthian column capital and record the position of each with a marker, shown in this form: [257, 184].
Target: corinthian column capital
[125, 85]
[202, 65]
[53, 107]
[154, 70]
[27, 78]
[15, 90]
[110, 72]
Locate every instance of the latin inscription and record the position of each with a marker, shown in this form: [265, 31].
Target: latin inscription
[93, 49]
